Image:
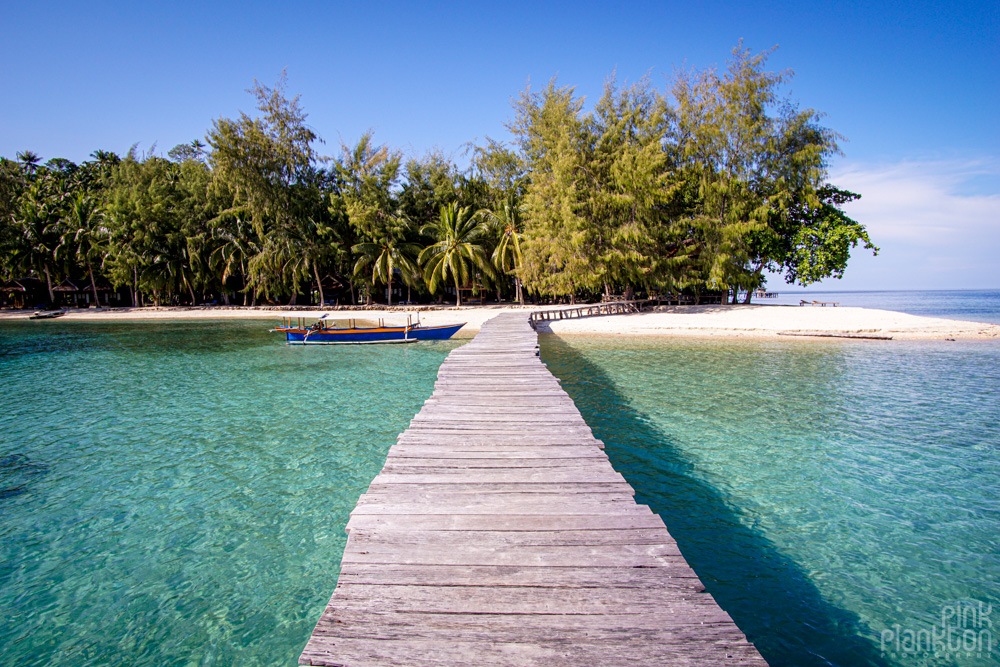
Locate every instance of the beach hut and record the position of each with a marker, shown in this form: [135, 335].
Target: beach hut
[80, 294]
[23, 293]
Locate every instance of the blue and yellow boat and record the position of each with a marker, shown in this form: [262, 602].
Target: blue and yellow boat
[329, 332]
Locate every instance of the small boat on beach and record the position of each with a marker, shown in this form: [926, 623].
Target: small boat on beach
[46, 314]
[327, 332]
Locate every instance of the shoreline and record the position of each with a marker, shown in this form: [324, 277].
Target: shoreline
[739, 321]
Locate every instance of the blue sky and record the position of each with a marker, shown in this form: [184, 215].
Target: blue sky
[913, 86]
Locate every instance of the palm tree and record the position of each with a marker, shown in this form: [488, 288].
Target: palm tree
[456, 251]
[84, 237]
[36, 227]
[169, 269]
[29, 161]
[385, 255]
[506, 223]
[236, 243]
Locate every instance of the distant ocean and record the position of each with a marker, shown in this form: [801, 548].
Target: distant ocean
[973, 305]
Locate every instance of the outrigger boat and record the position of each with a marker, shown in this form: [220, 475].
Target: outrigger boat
[327, 332]
[46, 314]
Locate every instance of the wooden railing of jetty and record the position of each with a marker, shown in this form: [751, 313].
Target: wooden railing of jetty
[589, 310]
[497, 533]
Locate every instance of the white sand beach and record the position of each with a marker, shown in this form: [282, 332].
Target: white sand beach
[741, 321]
[752, 321]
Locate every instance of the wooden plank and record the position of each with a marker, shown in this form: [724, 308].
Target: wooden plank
[527, 522]
[401, 464]
[459, 438]
[529, 600]
[565, 653]
[468, 476]
[510, 627]
[568, 489]
[510, 538]
[420, 506]
[496, 451]
[680, 575]
[618, 555]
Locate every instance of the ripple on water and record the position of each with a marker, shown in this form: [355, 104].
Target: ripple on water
[825, 493]
[181, 489]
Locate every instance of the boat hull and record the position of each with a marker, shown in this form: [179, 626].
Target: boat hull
[359, 336]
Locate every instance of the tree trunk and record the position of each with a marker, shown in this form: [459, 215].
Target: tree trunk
[135, 287]
[194, 300]
[93, 285]
[388, 292]
[319, 286]
[736, 293]
[520, 290]
[749, 294]
[458, 293]
[48, 283]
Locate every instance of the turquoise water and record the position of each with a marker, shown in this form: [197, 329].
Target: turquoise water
[980, 305]
[827, 494]
[176, 493]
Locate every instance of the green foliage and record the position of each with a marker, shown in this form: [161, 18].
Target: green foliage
[502, 168]
[368, 175]
[505, 224]
[456, 251]
[551, 139]
[707, 184]
[819, 240]
[384, 257]
[431, 182]
[260, 159]
[755, 159]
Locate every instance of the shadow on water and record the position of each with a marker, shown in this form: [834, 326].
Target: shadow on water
[17, 473]
[767, 594]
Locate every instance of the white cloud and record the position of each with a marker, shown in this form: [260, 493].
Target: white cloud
[920, 201]
[937, 224]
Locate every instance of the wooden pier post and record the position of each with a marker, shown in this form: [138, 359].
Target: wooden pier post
[497, 533]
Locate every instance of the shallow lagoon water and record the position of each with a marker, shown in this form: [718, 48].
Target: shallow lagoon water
[175, 493]
[832, 496]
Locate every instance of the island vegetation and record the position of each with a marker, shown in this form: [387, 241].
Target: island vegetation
[702, 186]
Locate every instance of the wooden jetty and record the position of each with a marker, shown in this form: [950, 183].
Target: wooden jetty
[589, 310]
[497, 533]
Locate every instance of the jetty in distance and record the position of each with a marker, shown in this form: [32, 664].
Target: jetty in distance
[498, 533]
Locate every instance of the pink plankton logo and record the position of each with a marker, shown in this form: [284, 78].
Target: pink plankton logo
[965, 628]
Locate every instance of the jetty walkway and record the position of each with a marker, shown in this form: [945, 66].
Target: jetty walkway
[497, 533]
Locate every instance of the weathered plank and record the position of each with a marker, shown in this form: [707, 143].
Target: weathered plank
[495, 451]
[529, 522]
[498, 533]
[498, 575]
